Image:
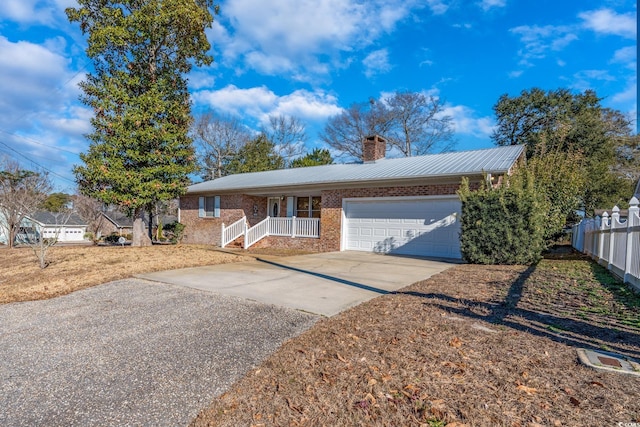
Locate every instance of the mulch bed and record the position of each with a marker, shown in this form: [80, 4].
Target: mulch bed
[475, 346]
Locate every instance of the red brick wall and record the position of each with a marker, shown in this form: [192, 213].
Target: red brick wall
[232, 208]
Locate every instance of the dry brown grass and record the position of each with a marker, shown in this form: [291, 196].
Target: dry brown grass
[74, 268]
[473, 346]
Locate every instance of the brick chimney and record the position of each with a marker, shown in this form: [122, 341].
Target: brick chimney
[373, 148]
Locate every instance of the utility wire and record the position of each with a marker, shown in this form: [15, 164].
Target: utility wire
[39, 143]
[38, 164]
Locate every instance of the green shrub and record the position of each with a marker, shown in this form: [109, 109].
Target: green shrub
[502, 225]
[112, 239]
[174, 231]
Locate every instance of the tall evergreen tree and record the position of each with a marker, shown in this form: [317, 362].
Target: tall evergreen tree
[256, 156]
[140, 151]
[319, 156]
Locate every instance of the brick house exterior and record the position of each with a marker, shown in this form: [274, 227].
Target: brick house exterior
[252, 195]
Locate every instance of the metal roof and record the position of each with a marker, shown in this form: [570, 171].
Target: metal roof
[454, 164]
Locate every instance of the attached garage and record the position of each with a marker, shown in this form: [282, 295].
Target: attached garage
[419, 226]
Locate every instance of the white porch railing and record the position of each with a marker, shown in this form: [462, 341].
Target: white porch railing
[280, 226]
[232, 232]
[306, 227]
[294, 227]
[257, 232]
[612, 242]
[289, 227]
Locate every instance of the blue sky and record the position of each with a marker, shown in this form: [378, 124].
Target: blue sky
[312, 58]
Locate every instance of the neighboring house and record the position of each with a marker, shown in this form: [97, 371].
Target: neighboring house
[115, 222]
[64, 227]
[49, 225]
[401, 206]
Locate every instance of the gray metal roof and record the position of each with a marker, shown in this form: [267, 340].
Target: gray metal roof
[454, 164]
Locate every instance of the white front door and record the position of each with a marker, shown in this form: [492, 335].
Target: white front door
[273, 207]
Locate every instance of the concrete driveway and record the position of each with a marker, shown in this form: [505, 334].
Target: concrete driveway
[325, 283]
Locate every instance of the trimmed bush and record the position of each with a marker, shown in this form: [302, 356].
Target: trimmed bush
[112, 239]
[174, 231]
[502, 225]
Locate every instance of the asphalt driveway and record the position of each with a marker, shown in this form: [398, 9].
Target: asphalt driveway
[324, 283]
[154, 353]
[131, 353]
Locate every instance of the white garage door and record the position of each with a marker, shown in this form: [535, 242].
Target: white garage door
[423, 227]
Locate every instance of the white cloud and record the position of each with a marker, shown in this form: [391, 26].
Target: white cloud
[29, 75]
[466, 122]
[256, 104]
[539, 40]
[488, 4]
[38, 104]
[626, 55]
[515, 74]
[377, 62]
[315, 106]
[607, 21]
[584, 79]
[45, 12]
[306, 38]
[629, 94]
[438, 7]
[200, 79]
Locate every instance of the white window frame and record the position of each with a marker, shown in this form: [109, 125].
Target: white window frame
[202, 207]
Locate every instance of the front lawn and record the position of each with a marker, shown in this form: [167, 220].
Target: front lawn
[74, 268]
[475, 345]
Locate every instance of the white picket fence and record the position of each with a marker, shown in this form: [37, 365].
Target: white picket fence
[613, 242]
[289, 227]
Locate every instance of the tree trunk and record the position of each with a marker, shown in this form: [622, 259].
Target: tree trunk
[12, 237]
[140, 237]
[150, 233]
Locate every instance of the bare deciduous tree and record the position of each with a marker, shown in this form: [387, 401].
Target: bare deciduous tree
[288, 134]
[21, 193]
[90, 210]
[218, 139]
[412, 122]
[419, 124]
[38, 241]
[346, 131]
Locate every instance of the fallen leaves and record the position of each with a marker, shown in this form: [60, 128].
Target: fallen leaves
[417, 366]
[455, 342]
[528, 390]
